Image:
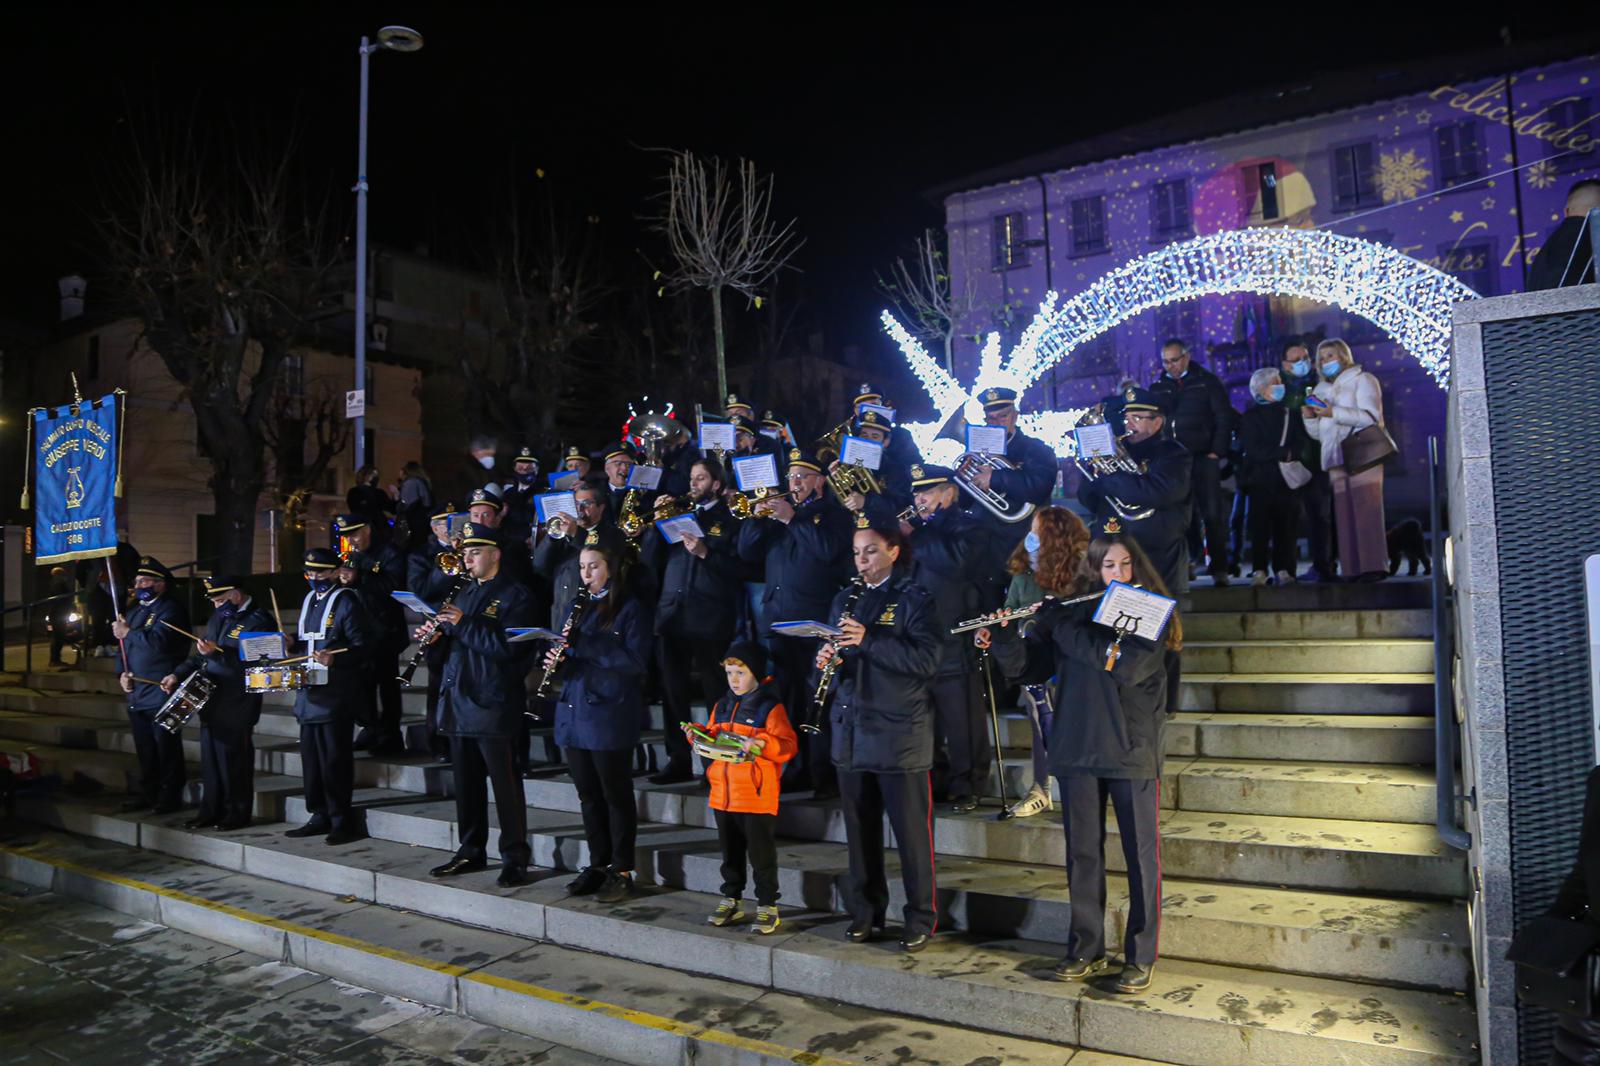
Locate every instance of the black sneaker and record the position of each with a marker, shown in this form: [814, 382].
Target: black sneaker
[587, 883]
[616, 888]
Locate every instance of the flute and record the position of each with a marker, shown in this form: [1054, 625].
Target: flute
[1019, 612]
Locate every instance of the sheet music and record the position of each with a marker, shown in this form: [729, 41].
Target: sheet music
[858, 451]
[563, 481]
[547, 505]
[986, 440]
[752, 472]
[644, 477]
[412, 601]
[806, 629]
[718, 435]
[1096, 442]
[518, 634]
[675, 528]
[254, 645]
[1137, 611]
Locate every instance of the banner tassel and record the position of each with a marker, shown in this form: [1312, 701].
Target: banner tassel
[121, 409]
[27, 460]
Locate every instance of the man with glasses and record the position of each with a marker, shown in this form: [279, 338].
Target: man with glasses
[804, 538]
[1195, 403]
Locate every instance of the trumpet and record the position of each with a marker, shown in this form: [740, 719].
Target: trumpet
[673, 506]
[1120, 463]
[1016, 613]
[746, 505]
[994, 501]
[454, 565]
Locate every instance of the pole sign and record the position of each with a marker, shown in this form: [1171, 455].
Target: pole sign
[355, 403]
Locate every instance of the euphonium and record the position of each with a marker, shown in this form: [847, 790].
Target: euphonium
[1120, 463]
[994, 501]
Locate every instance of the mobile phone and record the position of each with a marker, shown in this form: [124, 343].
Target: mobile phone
[1315, 402]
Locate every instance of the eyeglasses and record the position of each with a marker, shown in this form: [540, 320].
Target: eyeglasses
[586, 505]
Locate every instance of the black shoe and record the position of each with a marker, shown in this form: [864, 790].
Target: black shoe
[588, 882]
[202, 822]
[461, 864]
[1077, 969]
[228, 825]
[964, 804]
[363, 740]
[672, 775]
[913, 942]
[346, 836]
[511, 877]
[860, 932]
[1134, 978]
[616, 888]
[313, 828]
[136, 805]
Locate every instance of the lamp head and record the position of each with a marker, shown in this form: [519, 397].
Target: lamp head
[399, 39]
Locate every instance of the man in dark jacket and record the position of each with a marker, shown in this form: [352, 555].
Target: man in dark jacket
[153, 649]
[1567, 257]
[337, 637]
[381, 570]
[481, 702]
[1316, 499]
[518, 495]
[229, 717]
[555, 557]
[1153, 505]
[1196, 406]
[698, 609]
[1034, 477]
[805, 543]
[430, 583]
[948, 552]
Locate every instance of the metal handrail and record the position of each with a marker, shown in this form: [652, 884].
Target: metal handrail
[1446, 737]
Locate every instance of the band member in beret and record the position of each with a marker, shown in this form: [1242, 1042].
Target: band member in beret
[481, 702]
[152, 650]
[229, 717]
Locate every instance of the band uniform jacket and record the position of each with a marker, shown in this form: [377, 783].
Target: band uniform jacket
[1197, 409]
[699, 597]
[900, 454]
[482, 692]
[555, 561]
[949, 555]
[751, 787]
[230, 705]
[806, 561]
[1163, 488]
[1108, 723]
[602, 704]
[423, 576]
[380, 571]
[882, 712]
[1034, 479]
[348, 673]
[153, 650]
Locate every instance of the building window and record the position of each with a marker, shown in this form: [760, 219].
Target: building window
[1266, 182]
[1089, 226]
[1010, 241]
[1472, 264]
[1169, 210]
[1564, 115]
[94, 357]
[1460, 151]
[1353, 184]
[294, 375]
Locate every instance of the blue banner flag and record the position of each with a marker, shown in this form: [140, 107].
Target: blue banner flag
[75, 475]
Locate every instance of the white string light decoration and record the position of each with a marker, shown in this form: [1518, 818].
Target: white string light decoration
[1404, 297]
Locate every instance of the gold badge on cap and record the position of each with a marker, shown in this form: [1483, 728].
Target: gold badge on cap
[1112, 527]
[467, 531]
[916, 472]
[794, 455]
[862, 522]
[1130, 395]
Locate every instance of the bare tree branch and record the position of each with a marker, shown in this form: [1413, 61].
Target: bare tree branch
[923, 297]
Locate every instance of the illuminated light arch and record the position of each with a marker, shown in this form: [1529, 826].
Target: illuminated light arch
[1404, 297]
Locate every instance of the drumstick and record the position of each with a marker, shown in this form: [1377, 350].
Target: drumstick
[145, 681]
[303, 658]
[276, 617]
[185, 632]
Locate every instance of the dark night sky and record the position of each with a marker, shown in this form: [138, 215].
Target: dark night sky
[856, 115]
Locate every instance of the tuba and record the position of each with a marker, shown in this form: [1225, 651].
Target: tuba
[993, 501]
[831, 444]
[653, 431]
[1120, 463]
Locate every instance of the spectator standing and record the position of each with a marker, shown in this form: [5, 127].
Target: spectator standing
[1269, 436]
[1196, 405]
[1316, 499]
[1351, 400]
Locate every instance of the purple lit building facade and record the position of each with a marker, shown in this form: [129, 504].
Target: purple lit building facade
[1423, 171]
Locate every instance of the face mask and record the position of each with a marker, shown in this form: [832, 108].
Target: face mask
[486, 461]
[1274, 395]
[320, 585]
[1030, 544]
[227, 610]
[527, 479]
[144, 595]
[1300, 367]
[1330, 369]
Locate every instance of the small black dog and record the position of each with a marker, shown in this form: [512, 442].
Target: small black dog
[1406, 541]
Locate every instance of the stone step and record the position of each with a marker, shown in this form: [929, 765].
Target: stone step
[1364, 738]
[1392, 595]
[1310, 693]
[1367, 656]
[627, 1009]
[412, 701]
[1309, 625]
[1418, 944]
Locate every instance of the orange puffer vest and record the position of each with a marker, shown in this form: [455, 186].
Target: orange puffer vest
[751, 787]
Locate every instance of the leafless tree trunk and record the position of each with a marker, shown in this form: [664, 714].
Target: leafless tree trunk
[225, 274]
[720, 230]
[923, 297]
[303, 437]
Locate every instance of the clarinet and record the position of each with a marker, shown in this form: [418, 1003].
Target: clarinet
[433, 634]
[547, 683]
[819, 698]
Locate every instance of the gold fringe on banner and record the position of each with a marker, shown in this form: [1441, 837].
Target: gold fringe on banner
[27, 456]
[121, 401]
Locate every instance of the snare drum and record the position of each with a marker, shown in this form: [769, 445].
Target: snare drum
[275, 679]
[185, 700]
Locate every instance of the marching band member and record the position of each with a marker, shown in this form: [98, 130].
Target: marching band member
[337, 635]
[1106, 743]
[382, 570]
[804, 540]
[486, 508]
[481, 701]
[744, 795]
[603, 665]
[893, 475]
[882, 731]
[577, 460]
[737, 407]
[229, 717]
[900, 451]
[619, 462]
[518, 496]
[701, 581]
[774, 433]
[431, 584]
[1034, 478]
[949, 547]
[555, 558]
[677, 455]
[151, 651]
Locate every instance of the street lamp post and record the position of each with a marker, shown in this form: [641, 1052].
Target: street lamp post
[393, 39]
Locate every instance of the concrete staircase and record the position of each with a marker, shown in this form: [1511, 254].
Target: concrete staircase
[1310, 912]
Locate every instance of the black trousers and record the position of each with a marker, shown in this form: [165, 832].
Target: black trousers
[162, 773]
[964, 741]
[383, 706]
[605, 795]
[795, 659]
[753, 837]
[677, 657]
[327, 764]
[434, 658]
[227, 771]
[1137, 807]
[1274, 529]
[1208, 514]
[908, 801]
[476, 759]
[1316, 498]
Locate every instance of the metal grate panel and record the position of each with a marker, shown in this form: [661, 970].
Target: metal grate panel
[1543, 383]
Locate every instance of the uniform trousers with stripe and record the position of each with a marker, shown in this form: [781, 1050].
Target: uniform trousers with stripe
[907, 798]
[1137, 807]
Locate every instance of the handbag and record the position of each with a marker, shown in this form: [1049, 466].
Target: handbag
[1294, 471]
[1556, 965]
[1367, 447]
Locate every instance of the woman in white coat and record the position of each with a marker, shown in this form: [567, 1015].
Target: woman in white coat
[1353, 401]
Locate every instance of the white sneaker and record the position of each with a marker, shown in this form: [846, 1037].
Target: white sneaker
[1037, 801]
[1285, 578]
[1258, 578]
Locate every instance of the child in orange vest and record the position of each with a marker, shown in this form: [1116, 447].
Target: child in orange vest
[744, 794]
